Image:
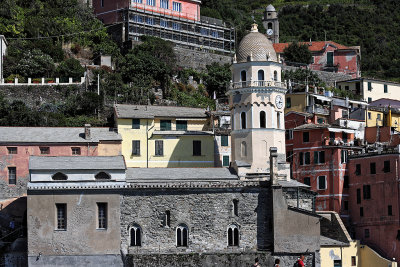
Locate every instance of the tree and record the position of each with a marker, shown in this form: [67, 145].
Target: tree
[35, 64]
[297, 53]
[70, 68]
[217, 79]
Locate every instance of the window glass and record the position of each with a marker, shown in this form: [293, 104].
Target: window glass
[76, 150]
[224, 140]
[136, 147]
[44, 150]
[321, 183]
[136, 236]
[165, 125]
[61, 216]
[306, 137]
[181, 125]
[151, 2]
[102, 215]
[372, 167]
[12, 150]
[164, 4]
[307, 181]
[12, 175]
[225, 161]
[177, 6]
[196, 148]
[159, 148]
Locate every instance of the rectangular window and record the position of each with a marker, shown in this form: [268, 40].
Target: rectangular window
[288, 102]
[165, 125]
[163, 23]
[176, 6]
[369, 86]
[12, 150]
[372, 167]
[319, 157]
[358, 195]
[369, 116]
[235, 207]
[102, 215]
[289, 156]
[136, 147]
[76, 150]
[159, 148]
[151, 2]
[307, 158]
[332, 136]
[45, 150]
[301, 158]
[386, 166]
[61, 216]
[307, 181]
[167, 219]
[344, 137]
[196, 148]
[137, 18]
[346, 205]
[150, 21]
[12, 175]
[176, 26]
[343, 156]
[346, 181]
[366, 233]
[337, 263]
[329, 58]
[306, 137]
[289, 134]
[390, 212]
[135, 123]
[367, 191]
[353, 261]
[164, 4]
[321, 183]
[358, 169]
[138, 1]
[225, 161]
[385, 88]
[102, 3]
[181, 125]
[224, 140]
[361, 212]
[369, 99]
[379, 116]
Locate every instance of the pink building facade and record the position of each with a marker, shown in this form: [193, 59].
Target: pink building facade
[331, 56]
[374, 198]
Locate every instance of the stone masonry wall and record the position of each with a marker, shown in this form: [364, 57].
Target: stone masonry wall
[305, 198]
[206, 212]
[198, 60]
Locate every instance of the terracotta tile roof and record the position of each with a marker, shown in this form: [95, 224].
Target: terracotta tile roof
[315, 46]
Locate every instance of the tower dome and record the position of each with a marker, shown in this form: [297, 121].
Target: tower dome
[270, 8]
[255, 46]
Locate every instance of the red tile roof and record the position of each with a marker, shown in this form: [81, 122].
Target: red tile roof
[315, 46]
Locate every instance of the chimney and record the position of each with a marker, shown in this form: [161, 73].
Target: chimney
[87, 131]
[273, 164]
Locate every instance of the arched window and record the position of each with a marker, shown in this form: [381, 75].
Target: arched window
[136, 235]
[243, 77]
[182, 235]
[270, 25]
[275, 76]
[243, 119]
[244, 149]
[261, 78]
[102, 176]
[278, 120]
[233, 235]
[262, 119]
[59, 176]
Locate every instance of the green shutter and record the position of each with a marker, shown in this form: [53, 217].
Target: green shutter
[225, 161]
[315, 157]
[369, 86]
[329, 59]
[165, 125]
[224, 140]
[181, 125]
[385, 89]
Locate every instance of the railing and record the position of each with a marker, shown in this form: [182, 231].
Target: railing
[42, 81]
[164, 11]
[246, 84]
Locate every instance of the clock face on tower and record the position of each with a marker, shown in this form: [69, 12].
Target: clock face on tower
[279, 101]
[270, 31]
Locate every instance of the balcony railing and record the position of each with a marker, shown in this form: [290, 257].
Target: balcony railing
[246, 84]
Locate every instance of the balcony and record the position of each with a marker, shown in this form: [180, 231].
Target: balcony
[248, 84]
[180, 132]
[318, 109]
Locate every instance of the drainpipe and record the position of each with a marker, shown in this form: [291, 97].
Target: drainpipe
[147, 143]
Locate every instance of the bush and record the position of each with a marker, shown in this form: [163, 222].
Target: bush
[70, 68]
[12, 77]
[35, 64]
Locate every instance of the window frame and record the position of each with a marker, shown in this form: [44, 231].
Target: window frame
[224, 158]
[306, 134]
[164, 4]
[12, 175]
[307, 181]
[136, 124]
[367, 233]
[366, 191]
[318, 155]
[346, 181]
[151, 2]
[224, 140]
[159, 148]
[181, 239]
[102, 215]
[243, 120]
[358, 169]
[136, 148]
[358, 196]
[165, 125]
[386, 166]
[137, 237]
[197, 148]
[44, 150]
[233, 236]
[319, 184]
[289, 134]
[12, 150]
[61, 217]
[181, 125]
[75, 151]
[176, 6]
[390, 210]
[372, 167]
[263, 119]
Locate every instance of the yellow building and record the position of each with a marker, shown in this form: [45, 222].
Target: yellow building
[371, 89]
[164, 136]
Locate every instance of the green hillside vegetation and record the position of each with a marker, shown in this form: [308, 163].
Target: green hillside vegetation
[371, 24]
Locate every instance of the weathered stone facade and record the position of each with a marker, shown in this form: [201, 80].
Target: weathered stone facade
[207, 212]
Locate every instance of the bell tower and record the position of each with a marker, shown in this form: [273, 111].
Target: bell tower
[257, 102]
[271, 23]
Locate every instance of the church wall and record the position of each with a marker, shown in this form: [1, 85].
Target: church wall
[206, 211]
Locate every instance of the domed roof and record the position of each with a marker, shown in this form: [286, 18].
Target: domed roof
[270, 8]
[256, 47]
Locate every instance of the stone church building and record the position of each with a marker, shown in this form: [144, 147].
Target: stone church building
[96, 212]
